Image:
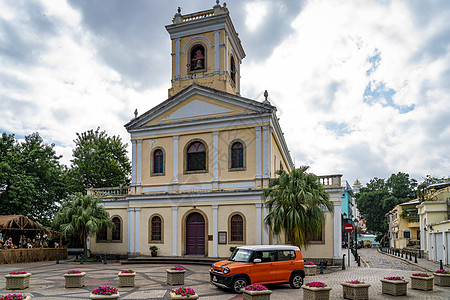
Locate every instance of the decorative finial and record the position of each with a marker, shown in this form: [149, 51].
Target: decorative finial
[266, 94]
[135, 113]
[224, 4]
[217, 2]
[179, 10]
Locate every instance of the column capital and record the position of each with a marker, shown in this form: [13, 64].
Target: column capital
[258, 205]
[215, 206]
[175, 137]
[215, 132]
[174, 208]
[257, 127]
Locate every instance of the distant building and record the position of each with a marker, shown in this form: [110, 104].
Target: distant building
[404, 226]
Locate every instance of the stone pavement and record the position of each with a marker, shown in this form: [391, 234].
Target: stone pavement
[47, 281]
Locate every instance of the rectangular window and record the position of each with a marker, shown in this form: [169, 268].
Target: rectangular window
[407, 234]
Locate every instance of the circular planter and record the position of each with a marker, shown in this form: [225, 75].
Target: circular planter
[441, 279]
[175, 277]
[174, 296]
[422, 283]
[394, 287]
[355, 290]
[75, 280]
[126, 279]
[17, 282]
[316, 293]
[256, 295]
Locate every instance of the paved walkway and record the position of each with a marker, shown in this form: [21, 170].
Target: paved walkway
[47, 281]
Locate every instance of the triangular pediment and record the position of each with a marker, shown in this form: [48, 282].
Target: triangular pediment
[198, 102]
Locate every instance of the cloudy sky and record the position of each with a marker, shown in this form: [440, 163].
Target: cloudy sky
[362, 86]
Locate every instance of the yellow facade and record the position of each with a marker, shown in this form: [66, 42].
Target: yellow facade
[185, 210]
[405, 226]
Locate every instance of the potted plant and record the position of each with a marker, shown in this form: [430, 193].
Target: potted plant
[442, 277]
[310, 268]
[316, 291]
[355, 289]
[74, 279]
[154, 251]
[126, 278]
[15, 297]
[422, 281]
[256, 292]
[175, 276]
[17, 280]
[105, 292]
[183, 293]
[394, 285]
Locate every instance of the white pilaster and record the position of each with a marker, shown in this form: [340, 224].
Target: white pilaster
[216, 155]
[175, 159]
[258, 152]
[258, 223]
[227, 66]
[130, 230]
[133, 162]
[216, 51]
[215, 232]
[174, 230]
[138, 161]
[177, 58]
[337, 232]
[137, 215]
[444, 248]
[266, 230]
[266, 150]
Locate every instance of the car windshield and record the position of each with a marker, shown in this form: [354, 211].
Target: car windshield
[241, 255]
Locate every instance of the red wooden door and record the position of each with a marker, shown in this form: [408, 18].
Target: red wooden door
[195, 234]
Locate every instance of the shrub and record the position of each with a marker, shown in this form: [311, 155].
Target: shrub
[184, 291]
[316, 284]
[13, 297]
[255, 287]
[105, 290]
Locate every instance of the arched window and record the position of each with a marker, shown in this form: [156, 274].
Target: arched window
[158, 162]
[116, 230]
[237, 228]
[233, 70]
[197, 58]
[196, 157]
[156, 229]
[237, 155]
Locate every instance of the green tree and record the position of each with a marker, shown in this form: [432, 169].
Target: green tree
[296, 203]
[32, 180]
[380, 196]
[81, 216]
[99, 161]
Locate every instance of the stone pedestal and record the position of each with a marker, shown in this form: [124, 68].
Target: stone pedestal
[75, 280]
[126, 279]
[17, 282]
[422, 283]
[394, 287]
[316, 293]
[355, 291]
[256, 295]
[175, 277]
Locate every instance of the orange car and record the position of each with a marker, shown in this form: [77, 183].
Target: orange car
[262, 264]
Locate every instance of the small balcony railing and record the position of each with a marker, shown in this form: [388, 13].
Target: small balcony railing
[109, 192]
[330, 180]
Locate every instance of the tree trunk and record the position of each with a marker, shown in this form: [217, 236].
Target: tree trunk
[85, 245]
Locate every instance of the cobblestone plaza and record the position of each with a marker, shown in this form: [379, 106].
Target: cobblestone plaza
[47, 280]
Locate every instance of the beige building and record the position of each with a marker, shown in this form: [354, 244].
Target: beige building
[201, 158]
[404, 226]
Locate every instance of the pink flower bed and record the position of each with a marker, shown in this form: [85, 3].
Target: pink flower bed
[355, 281]
[177, 269]
[309, 263]
[184, 291]
[442, 271]
[255, 287]
[105, 290]
[17, 273]
[127, 271]
[13, 297]
[394, 278]
[73, 272]
[316, 284]
[421, 274]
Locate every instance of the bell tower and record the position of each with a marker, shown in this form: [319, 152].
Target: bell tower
[205, 50]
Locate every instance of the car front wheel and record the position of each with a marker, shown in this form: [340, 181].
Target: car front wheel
[239, 284]
[296, 281]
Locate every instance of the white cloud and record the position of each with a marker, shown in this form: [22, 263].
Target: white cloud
[256, 11]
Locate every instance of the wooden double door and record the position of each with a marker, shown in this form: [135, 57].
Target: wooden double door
[195, 234]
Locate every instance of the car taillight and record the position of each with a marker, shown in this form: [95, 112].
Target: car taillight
[226, 270]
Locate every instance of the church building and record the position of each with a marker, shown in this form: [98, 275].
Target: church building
[202, 158]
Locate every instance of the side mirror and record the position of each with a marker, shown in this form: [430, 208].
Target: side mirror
[257, 260]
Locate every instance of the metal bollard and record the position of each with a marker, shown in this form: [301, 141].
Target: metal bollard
[81, 259]
[57, 258]
[321, 268]
[410, 256]
[401, 254]
[359, 261]
[104, 260]
[440, 265]
[343, 262]
[415, 258]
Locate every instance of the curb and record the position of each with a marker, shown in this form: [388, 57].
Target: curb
[405, 260]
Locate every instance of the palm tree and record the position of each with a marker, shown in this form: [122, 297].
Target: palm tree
[296, 203]
[81, 215]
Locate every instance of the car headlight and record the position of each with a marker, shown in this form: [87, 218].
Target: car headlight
[226, 270]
